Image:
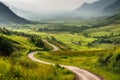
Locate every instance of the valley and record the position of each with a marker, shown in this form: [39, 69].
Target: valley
[65, 47]
[81, 49]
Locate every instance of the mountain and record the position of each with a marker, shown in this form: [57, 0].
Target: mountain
[8, 16]
[94, 8]
[22, 13]
[113, 8]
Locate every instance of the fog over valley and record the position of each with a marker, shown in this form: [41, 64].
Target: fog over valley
[26, 8]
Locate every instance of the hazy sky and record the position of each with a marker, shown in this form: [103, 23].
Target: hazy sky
[46, 5]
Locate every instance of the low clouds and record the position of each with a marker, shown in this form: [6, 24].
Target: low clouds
[39, 6]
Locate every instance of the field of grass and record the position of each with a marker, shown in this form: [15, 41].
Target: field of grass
[84, 55]
[22, 69]
[86, 47]
[19, 67]
[72, 39]
[69, 39]
[83, 59]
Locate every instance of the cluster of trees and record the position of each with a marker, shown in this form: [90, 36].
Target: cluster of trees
[111, 34]
[9, 32]
[37, 40]
[111, 61]
[105, 40]
[6, 46]
[63, 28]
[108, 40]
[5, 31]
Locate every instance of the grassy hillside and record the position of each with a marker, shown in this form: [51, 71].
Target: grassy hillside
[89, 44]
[18, 66]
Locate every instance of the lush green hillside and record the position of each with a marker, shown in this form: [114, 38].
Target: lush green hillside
[91, 44]
[14, 63]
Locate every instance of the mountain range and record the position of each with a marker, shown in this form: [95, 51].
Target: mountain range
[8, 16]
[113, 8]
[99, 8]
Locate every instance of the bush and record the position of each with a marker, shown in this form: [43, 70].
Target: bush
[39, 42]
[110, 61]
[6, 46]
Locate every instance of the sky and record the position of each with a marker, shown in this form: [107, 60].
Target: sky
[39, 6]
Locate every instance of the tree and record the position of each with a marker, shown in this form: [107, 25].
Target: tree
[39, 42]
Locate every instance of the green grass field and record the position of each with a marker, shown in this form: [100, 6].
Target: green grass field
[19, 67]
[86, 47]
[83, 59]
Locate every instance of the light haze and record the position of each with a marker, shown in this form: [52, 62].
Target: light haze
[45, 6]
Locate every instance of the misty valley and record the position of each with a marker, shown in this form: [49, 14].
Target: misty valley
[81, 44]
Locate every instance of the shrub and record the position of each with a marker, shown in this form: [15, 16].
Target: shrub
[39, 42]
[6, 46]
[110, 61]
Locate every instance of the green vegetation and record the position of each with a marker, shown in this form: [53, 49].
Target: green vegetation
[14, 63]
[90, 60]
[58, 43]
[97, 49]
[89, 44]
[110, 61]
[23, 69]
[6, 46]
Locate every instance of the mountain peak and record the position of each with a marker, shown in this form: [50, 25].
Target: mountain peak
[94, 8]
[8, 16]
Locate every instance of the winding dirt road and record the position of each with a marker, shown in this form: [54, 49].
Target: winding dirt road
[81, 73]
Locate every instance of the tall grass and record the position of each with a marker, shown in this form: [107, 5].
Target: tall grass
[108, 67]
[25, 69]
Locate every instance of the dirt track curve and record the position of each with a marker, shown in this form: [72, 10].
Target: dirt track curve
[81, 73]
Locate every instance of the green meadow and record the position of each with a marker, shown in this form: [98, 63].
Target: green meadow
[18, 66]
[82, 43]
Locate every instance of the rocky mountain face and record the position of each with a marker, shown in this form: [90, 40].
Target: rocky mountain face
[113, 8]
[8, 16]
[96, 8]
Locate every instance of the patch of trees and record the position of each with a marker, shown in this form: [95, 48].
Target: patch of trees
[105, 40]
[63, 28]
[9, 32]
[37, 41]
[109, 40]
[6, 46]
[5, 31]
[110, 61]
[111, 34]
[107, 36]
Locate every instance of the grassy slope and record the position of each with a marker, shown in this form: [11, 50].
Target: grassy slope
[18, 66]
[84, 61]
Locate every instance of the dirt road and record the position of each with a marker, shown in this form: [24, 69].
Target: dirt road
[81, 73]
